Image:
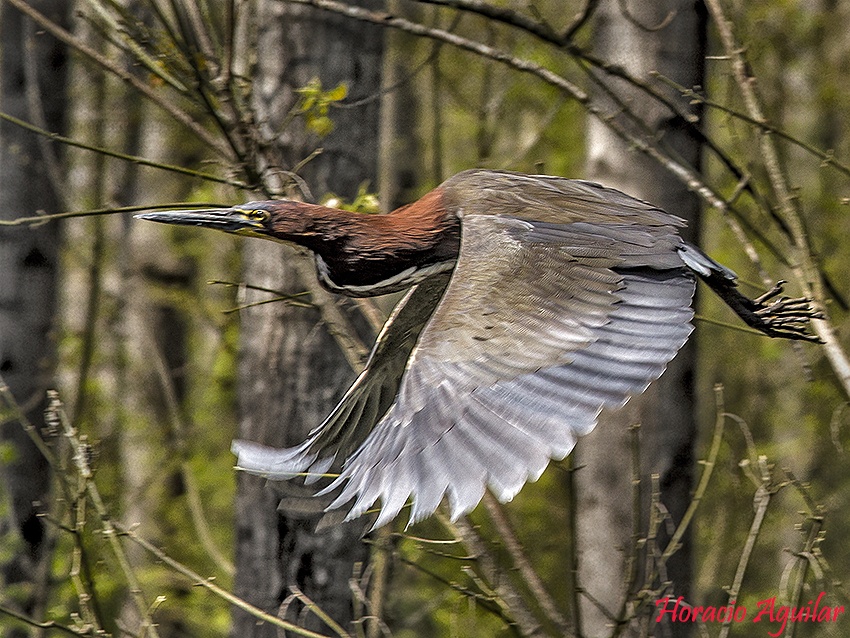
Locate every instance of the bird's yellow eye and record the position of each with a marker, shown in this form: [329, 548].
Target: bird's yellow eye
[258, 215]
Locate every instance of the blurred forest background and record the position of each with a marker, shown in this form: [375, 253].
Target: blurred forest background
[131, 354]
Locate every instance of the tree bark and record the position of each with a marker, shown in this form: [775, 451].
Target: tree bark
[666, 411]
[32, 72]
[291, 371]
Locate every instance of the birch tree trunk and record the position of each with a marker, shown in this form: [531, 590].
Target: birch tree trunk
[291, 371]
[667, 37]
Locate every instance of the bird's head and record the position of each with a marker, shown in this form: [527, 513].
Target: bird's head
[282, 220]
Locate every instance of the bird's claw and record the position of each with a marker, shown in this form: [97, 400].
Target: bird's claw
[785, 317]
[777, 289]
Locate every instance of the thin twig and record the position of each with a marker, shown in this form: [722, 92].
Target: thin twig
[802, 561]
[119, 36]
[804, 268]
[85, 590]
[18, 415]
[89, 338]
[193, 497]
[50, 624]
[726, 324]
[70, 495]
[318, 612]
[542, 31]
[760, 502]
[708, 464]
[75, 43]
[505, 594]
[631, 571]
[380, 564]
[388, 20]
[651, 565]
[573, 584]
[501, 14]
[338, 324]
[37, 220]
[80, 456]
[490, 604]
[207, 583]
[134, 159]
[508, 536]
[35, 108]
[827, 158]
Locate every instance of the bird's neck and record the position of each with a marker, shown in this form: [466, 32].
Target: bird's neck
[365, 255]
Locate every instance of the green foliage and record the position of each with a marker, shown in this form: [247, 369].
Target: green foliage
[363, 202]
[315, 104]
[7, 453]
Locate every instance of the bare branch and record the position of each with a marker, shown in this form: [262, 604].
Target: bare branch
[318, 612]
[388, 20]
[804, 269]
[760, 502]
[674, 543]
[56, 412]
[208, 583]
[50, 624]
[523, 565]
[338, 325]
[75, 43]
[193, 497]
[827, 158]
[134, 159]
[508, 598]
[36, 220]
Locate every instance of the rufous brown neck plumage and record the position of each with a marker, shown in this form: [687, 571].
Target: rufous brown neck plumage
[356, 253]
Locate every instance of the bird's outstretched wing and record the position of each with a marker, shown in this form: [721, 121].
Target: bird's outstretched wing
[363, 404]
[507, 375]
[542, 325]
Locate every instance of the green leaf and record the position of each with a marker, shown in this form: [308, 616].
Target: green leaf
[338, 93]
[321, 126]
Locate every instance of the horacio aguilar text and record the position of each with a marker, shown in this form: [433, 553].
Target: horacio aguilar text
[767, 610]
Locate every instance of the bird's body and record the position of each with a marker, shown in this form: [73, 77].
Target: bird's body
[564, 298]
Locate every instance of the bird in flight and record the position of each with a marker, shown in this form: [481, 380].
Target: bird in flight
[534, 302]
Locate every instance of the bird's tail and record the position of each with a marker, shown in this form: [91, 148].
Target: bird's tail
[703, 265]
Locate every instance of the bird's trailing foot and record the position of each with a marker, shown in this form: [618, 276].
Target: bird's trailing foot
[785, 317]
[769, 313]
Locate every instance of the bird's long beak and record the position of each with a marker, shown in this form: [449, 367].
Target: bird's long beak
[231, 220]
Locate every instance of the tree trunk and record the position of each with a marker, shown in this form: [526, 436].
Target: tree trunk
[401, 167]
[291, 371]
[32, 71]
[666, 412]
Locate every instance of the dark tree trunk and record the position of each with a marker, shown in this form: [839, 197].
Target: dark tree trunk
[291, 371]
[401, 164]
[666, 412]
[33, 79]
